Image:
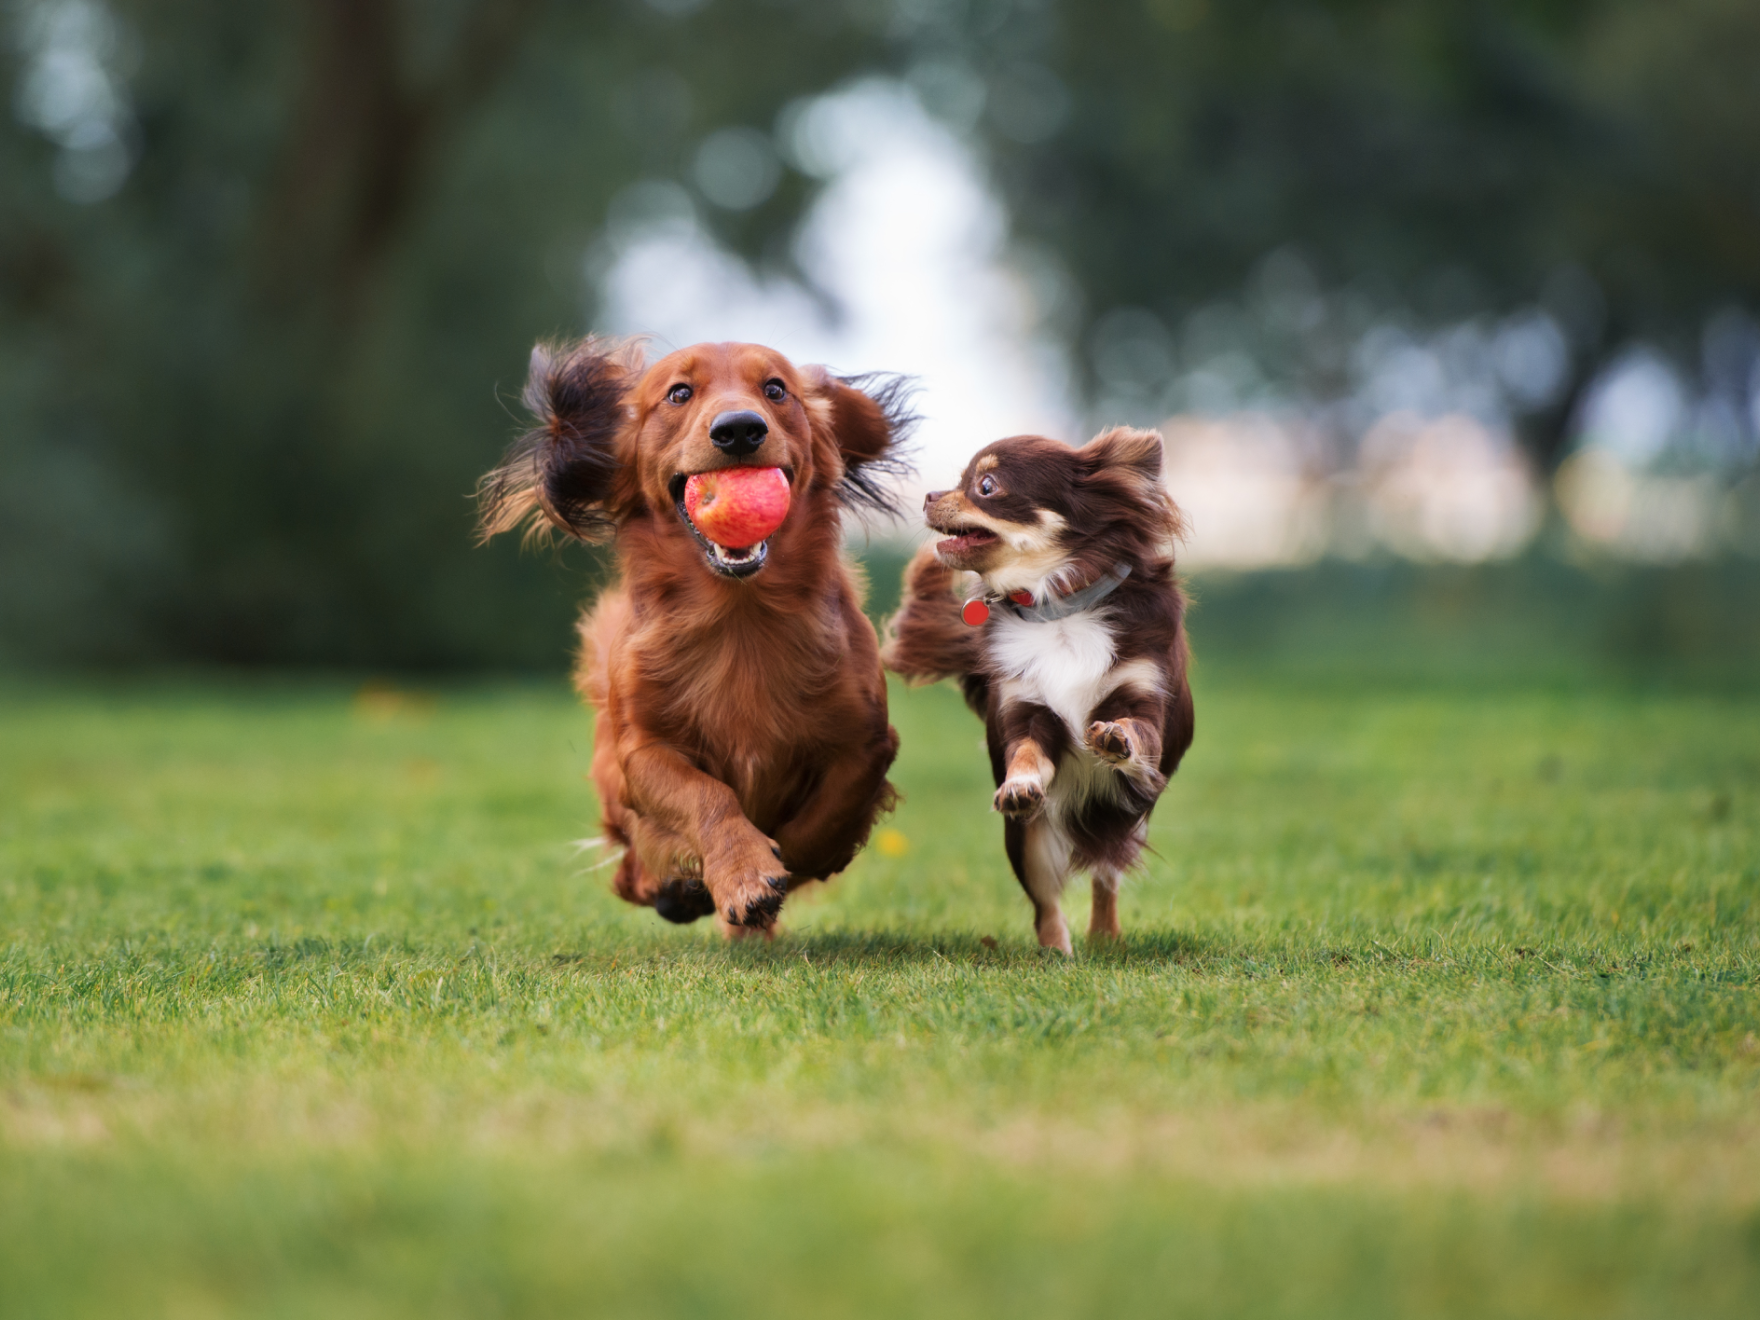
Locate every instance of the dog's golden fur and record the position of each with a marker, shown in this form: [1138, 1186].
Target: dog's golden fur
[742, 742]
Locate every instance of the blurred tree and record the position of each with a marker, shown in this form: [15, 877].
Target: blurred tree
[1436, 158]
[268, 273]
[268, 276]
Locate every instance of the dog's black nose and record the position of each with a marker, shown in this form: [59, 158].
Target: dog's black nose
[737, 434]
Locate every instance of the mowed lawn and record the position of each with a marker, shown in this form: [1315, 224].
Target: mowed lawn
[1435, 1001]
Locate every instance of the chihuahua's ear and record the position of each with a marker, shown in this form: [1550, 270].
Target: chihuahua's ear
[562, 474]
[867, 419]
[1127, 450]
[1127, 463]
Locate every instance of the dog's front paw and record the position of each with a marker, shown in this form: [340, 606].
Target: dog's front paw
[1111, 741]
[682, 900]
[1021, 799]
[749, 884]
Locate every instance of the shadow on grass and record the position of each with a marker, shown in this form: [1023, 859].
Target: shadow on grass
[1194, 953]
[884, 948]
[663, 948]
[868, 947]
[1197, 953]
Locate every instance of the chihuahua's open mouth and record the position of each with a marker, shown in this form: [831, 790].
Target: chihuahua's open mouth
[959, 540]
[729, 561]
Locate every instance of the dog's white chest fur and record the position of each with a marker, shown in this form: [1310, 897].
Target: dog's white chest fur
[1063, 664]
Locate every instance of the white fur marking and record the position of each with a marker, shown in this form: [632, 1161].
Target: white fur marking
[1143, 674]
[1031, 539]
[1084, 777]
[1067, 666]
[1045, 857]
[1039, 558]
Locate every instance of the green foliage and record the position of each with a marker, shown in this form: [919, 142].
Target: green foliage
[246, 400]
[1438, 1000]
[1539, 620]
[1436, 160]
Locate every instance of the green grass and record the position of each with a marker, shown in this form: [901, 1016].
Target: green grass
[1435, 1001]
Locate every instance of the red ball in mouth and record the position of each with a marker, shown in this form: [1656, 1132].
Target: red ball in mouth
[737, 507]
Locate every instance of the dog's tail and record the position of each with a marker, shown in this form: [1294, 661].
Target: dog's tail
[927, 640]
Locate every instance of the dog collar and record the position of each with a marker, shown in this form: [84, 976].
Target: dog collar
[977, 610]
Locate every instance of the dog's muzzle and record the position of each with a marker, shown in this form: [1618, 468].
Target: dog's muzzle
[733, 563]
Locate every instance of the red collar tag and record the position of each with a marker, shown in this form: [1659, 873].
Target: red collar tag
[975, 612]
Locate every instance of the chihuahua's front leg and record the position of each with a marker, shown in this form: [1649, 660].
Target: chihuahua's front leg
[1124, 730]
[1032, 739]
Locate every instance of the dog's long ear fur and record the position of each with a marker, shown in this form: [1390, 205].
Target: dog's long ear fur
[561, 474]
[1126, 463]
[869, 418]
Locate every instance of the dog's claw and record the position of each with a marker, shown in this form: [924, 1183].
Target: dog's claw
[760, 912]
[1020, 799]
[1110, 741]
[748, 883]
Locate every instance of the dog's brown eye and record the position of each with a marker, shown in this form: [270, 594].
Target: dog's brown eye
[774, 391]
[679, 394]
[986, 485]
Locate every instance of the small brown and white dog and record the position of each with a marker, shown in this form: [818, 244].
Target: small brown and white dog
[1074, 654]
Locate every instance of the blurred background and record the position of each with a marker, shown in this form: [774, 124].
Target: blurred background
[1446, 307]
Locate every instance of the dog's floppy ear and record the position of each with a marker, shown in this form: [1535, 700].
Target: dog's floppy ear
[867, 419]
[562, 473]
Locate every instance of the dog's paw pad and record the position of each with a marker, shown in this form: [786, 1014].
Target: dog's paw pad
[1020, 799]
[1111, 742]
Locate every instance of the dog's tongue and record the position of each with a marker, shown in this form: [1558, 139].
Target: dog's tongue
[737, 507]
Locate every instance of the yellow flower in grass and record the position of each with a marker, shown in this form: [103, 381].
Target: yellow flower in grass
[891, 843]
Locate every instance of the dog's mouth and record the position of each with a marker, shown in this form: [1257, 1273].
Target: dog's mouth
[964, 540]
[732, 561]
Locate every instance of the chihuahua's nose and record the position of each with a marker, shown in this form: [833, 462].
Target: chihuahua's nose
[737, 434]
[931, 497]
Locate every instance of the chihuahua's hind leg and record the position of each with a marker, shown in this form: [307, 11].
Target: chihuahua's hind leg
[1103, 924]
[1039, 851]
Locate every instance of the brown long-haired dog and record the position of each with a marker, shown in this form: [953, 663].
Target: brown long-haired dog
[741, 743]
[1073, 651]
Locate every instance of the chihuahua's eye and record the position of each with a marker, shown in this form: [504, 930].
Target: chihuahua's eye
[679, 394]
[774, 391]
[986, 485]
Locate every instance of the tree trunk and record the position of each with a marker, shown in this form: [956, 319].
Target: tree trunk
[362, 144]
